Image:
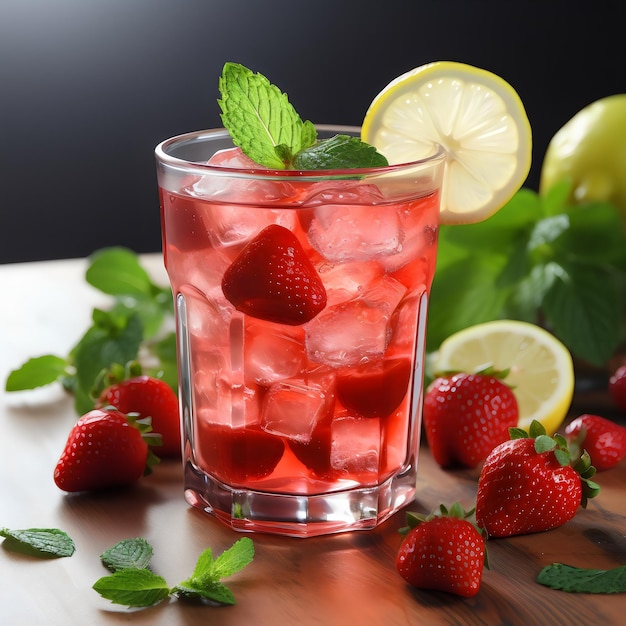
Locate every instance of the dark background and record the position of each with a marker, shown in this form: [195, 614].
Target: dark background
[89, 87]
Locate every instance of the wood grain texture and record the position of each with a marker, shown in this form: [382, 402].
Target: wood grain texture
[325, 581]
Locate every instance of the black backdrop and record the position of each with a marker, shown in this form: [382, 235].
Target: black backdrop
[89, 87]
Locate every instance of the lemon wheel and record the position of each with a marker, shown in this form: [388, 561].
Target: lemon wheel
[475, 115]
[541, 367]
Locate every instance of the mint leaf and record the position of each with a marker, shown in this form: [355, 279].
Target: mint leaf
[133, 587]
[338, 152]
[117, 271]
[40, 542]
[260, 118]
[126, 554]
[583, 580]
[37, 372]
[234, 559]
[205, 582]
[112, 339]
[214, 592]
[582, 307]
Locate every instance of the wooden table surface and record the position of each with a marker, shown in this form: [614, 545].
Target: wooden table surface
[336, 580]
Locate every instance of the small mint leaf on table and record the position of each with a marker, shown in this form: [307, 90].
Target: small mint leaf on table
[260, 118]
[583, 580]
[339, 152]
[47, 543]
[133, 587]
[127, 554]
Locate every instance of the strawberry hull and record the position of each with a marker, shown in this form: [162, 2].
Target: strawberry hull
[301, 304]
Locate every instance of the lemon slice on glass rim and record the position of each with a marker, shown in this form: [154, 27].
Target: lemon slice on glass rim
[541, 367]
[476, 116]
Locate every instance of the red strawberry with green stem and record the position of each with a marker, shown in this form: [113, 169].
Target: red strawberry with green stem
[272, 279]
[604, 440]
[131, 392]
[105, 449]
[531, 483]
[443, 551]
[467, 415]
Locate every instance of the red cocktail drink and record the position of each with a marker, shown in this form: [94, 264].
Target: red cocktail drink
[301, 302]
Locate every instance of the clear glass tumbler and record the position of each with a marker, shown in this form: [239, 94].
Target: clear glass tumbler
[301, 304]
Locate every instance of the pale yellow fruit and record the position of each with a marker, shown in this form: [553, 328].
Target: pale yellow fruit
[590, 152]
[541, 367]
[475, 115]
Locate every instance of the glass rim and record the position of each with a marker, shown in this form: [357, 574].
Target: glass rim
[163, 157]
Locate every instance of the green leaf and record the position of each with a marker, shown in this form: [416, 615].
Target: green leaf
[582, 308]
[37, 372]
[205, 580]
[260, 117]
[127, 553]
[339, 152]
[40, 542]
[117, 271]
[234, 559]
[216, 592]
[556, 197]
[462, 295]
[543, 443]
[112, 339]
[583, 580]
[133, 587]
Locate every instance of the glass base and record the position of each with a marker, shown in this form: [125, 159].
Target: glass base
[246, 510]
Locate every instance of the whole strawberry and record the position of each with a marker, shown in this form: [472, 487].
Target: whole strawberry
[466, 416]
[104, 449]
[528, 485]
[604, 440]
[272, 279]
[617, 388]
[147, 397]
[443, 551]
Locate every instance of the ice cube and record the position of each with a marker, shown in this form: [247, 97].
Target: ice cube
[202, 272]
[356, 330]
[355, 233]
[355, 447]
[231, 225]
[272, 352]
[293, 408]
[345, 281]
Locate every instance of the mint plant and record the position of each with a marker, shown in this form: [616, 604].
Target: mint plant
[131, 329]
[537, 260]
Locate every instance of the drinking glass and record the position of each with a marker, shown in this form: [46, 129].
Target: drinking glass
[292, 425]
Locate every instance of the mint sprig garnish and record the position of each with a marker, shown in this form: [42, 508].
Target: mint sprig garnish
[48, 543]
[133, 584]
[132, 325]
[583, 580]
[267, 128]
